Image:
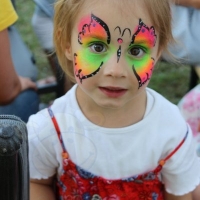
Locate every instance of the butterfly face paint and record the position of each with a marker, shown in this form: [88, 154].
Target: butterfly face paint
[144, 38]
[92, 30]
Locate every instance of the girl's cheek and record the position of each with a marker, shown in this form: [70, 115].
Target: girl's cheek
[145, 68]
[142, 69]
[87, 64]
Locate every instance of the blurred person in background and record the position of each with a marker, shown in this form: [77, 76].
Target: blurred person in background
[186, 21]
[185, 30]
[42, 23]
[18, 94]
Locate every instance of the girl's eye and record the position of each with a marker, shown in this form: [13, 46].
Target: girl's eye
[136, 51]
[98, 48]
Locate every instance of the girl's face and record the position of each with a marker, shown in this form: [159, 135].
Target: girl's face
[114, 50]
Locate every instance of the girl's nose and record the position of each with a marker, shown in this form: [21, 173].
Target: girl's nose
[115, 68]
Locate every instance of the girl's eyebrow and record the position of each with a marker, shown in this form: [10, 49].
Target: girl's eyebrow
[96, 36]
[143, 41]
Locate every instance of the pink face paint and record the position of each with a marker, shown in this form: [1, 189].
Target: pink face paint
[145, 33]
[91, 29]
[146, 37]
[119, 40]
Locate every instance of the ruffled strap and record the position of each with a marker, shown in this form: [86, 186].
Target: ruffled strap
[57, 128]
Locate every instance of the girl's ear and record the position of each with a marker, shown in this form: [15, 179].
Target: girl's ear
[158, 57]
[68, 52]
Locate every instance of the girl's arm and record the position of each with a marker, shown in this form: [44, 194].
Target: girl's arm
[172, 197]
[196, 193]
[42, 189]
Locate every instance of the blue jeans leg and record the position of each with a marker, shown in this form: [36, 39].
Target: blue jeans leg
[25, 104]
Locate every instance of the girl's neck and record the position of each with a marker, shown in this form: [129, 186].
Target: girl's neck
[129, 114]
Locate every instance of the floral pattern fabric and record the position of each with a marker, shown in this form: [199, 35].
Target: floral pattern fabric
[77, 184]
[190, 109]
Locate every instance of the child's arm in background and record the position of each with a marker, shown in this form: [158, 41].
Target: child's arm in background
[188, 3]
[172, 197]
[42, 189]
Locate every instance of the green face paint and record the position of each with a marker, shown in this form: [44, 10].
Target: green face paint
[94, 37]
[92, 30]
[91, 61]
[144, 38]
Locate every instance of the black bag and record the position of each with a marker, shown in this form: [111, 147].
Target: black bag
[14, 166]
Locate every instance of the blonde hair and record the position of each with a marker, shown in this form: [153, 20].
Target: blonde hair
[66, 12]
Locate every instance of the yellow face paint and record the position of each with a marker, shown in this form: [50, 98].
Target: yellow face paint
[94, 31]
[145, 38]
[91, 30]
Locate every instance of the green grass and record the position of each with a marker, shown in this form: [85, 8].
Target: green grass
[171, 81]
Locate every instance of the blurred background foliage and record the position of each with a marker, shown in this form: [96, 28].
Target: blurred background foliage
[170, 80]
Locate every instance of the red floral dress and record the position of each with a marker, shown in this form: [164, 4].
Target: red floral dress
[76, 183]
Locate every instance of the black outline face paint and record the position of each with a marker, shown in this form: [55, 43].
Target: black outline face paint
[81, 34]
[120, 40]
[99, 21]
[138, 77]
[86, 76]
[119, 53]
[149, 72]
[141, 24]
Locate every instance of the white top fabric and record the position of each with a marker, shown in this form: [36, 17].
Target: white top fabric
[115, 153]
[185, 30]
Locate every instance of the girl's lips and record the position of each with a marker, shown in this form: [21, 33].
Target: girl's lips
[113, 92]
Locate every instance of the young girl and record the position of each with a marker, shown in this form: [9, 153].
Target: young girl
[111, 137]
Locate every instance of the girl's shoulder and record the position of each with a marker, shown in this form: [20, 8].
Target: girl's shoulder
[166, 117]
[163, 108]
[171, 132]
[60, 106]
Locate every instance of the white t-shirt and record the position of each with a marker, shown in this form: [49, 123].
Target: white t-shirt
[115, 153]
